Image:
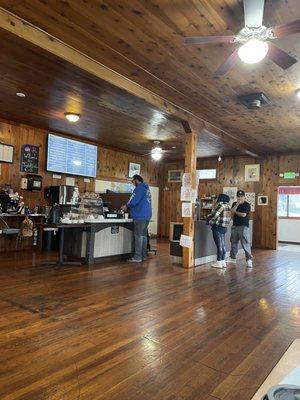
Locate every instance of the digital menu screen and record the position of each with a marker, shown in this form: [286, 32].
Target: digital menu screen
[72, 157]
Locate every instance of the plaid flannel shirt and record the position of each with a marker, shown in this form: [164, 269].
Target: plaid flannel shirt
[221, 215]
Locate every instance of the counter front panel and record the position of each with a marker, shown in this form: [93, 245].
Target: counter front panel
[205, 248]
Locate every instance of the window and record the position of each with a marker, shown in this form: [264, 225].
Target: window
[294, 205]
[207, 174]
[283, 205]
[289, 205]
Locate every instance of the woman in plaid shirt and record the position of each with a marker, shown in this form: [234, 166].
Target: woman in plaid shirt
[219, 221]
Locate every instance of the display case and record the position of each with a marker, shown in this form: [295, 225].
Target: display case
[89, 209]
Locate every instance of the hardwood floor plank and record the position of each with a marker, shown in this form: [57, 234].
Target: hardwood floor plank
[151, 331]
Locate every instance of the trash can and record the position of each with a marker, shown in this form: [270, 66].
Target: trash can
[50, 239]
[283, 392]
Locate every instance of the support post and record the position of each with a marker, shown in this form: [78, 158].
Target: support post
[189, 167]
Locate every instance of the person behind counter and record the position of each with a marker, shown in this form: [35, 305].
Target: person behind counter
[240, 229]
[140, 208]
[219, 221]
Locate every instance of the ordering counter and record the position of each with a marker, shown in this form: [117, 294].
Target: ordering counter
[91, 242]
[205, 250]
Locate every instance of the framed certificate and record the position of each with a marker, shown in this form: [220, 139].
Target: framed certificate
[6, 153]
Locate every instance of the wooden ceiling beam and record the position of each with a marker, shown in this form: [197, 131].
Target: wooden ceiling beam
[42, 39]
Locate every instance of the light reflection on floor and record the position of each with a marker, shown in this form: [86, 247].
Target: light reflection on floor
[289, 247]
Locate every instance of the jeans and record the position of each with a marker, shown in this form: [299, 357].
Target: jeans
[140, 239]
[242, 234]
[219, 238]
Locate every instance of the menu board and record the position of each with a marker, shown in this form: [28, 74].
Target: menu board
[30, 159]
[71, 156]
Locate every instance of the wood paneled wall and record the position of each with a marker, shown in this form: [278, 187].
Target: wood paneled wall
[112, 164]
[231, 172]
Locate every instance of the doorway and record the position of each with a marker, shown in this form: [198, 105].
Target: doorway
[288, 214]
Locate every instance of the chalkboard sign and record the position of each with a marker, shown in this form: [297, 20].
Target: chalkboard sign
[30, 159]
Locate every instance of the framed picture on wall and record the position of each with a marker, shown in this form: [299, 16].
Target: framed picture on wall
[175, 175]
[134, 169]
[252, 173]
[262, 200]
[6, 153]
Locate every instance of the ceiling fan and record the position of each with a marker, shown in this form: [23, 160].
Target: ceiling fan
[157, 151]
[254, 39]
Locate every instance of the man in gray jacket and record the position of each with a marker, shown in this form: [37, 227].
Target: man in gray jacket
[240, 230]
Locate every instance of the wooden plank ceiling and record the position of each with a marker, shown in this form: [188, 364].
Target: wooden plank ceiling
[110, 115]
[143, 40]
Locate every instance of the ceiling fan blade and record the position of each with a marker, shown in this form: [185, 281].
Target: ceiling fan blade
[228, 64]
[287, 29]
[209, 39]
[254, 12]
[280, 57]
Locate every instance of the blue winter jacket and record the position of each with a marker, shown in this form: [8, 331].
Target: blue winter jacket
[139, 203]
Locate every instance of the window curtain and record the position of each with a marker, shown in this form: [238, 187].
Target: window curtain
[289, 190]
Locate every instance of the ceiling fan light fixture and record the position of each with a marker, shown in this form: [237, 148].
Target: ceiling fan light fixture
[156, 153]
[72, 117]
[253, 51]
[156, 156]
[297, 93]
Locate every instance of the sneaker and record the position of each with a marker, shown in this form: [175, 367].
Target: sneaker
[231, 260]
[224, 264]
[249, 264]
[218, 264]
[134, 260]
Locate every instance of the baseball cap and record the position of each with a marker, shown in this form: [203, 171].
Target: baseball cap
[240, 193]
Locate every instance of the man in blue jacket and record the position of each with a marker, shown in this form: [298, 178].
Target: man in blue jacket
[140, 209]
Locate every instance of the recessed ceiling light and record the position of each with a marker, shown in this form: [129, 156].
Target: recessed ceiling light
[20, 94]
[72, 117]
[297, 92]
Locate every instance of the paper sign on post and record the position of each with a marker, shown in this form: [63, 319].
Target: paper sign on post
[186, 179]
[186, 209]
[185, 193]
[186, 241]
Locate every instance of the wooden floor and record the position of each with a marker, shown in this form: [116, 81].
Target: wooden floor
[151, 331]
